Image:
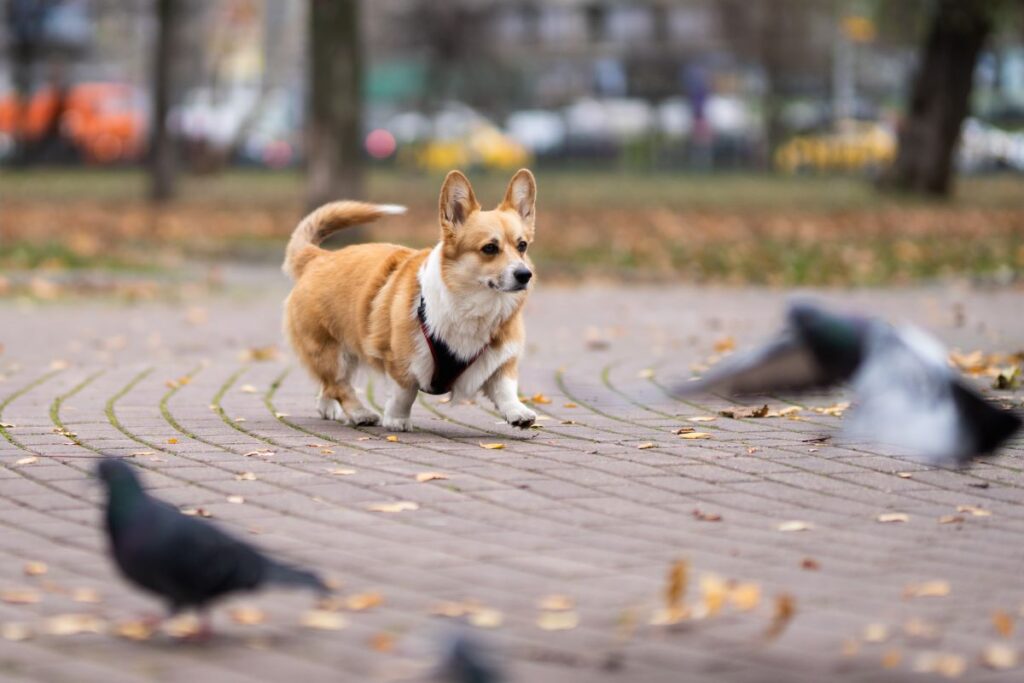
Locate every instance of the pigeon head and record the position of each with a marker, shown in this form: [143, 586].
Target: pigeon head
[836, 341]
[117, 476]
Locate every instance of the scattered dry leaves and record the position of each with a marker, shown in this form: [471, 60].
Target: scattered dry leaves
[738, 412]
[400, 506]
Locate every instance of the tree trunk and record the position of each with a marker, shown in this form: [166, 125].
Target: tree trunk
[163, 165]
[940, 97]
[334, 136]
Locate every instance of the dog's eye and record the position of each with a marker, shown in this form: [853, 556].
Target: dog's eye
[490, 249]
[522, 246]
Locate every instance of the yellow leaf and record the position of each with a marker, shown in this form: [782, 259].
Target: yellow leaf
[795, 525]
[675, 585]
[359, 602]
[999, 656]
[540, 399]
[724, 344]
[556, 603]
[423, 477]
[135, 629]
[182, 626]
[73, 624]
[400, 506]
[15, 631]
[486, 617]
[891, 658]
[785, 609]
[391, 437]
[695, 435]
[904, 475]
[570, 405]
[558, 621]
[247, 616]
[645, 446]
[927, 589]
[34, 568]
[492, 446]
[323, 620]
[714, 594]
[27, 461]
[974, 510]
[1003, 623]
[19, 597]
[382, 642]
[172, 440]
[876, 633]
[889, 517]
[746, 596]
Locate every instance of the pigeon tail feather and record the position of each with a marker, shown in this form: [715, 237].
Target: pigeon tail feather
[286, 575]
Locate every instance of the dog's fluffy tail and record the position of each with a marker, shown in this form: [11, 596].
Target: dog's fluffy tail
[303, 247]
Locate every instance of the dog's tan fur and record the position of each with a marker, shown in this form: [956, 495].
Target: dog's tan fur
[358, 305]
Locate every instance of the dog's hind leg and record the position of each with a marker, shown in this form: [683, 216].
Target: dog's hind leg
[346, 395]
[336, 401]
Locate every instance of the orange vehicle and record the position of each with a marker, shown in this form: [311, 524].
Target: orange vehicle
[103, 121]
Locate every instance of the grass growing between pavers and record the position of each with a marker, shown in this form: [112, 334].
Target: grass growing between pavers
[730, 228]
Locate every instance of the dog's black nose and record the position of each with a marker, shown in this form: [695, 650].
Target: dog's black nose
[523, 275]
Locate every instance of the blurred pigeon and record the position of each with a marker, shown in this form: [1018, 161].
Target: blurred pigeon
[905, 393]
[467, 660]
[185, 560]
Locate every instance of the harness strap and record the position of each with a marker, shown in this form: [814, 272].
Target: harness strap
[447, 366]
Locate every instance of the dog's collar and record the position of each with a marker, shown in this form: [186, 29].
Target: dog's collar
[447, 366]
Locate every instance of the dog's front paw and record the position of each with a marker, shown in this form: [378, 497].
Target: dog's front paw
[364, 418]
[520, 416]
[397, 424]
[330, 409]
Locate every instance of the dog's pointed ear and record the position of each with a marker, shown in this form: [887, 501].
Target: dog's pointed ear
[521, 195]
[457, 202]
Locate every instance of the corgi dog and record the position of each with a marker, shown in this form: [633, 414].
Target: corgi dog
[440, 320]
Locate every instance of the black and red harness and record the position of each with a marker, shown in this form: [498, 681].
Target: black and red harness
[447, 366]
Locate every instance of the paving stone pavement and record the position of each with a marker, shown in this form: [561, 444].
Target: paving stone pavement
[575, 508]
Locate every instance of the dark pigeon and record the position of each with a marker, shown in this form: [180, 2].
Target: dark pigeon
[467, 660]
[905, 393]
[187, 561]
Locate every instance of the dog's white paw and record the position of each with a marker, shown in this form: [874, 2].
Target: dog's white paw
[520, 416]
[397, 424]
[330, 409]
[364, 417]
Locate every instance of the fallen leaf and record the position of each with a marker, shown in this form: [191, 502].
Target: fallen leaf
[558, 621]
[359, 602]
[675, 587]
[999, 656]
[423, 477]
[1003, 623]
[27, 461]
[646, 445]
[810, 564]
[73, 624]
[328, 451]
[892, 658]
[34, 568]
[236, 500]
[794, 525]
[196, 512]
[259, 453]
[323, 620]
[951, 519]
[745, 596]
[15, 631]
[927, 589]
[944, 664]
[400, 506]
[172, 440]
[915, 627]
[785, 609]
[258, 353]
[556, 603]
[341, 471]
[570, 404]
[86, 595]
[684, 430]
[246, 476]
[695, 435]
[382, 642]
[904, 475]
[876, 633]
[247, 389]
[247, 616]
[136, 454]
[706, 516]
[713, 593]
[974, 510]
[19, 597]
[738, 412]
[724, 344]
[135, 629]
[890, 517]
[391, 437]
[835, 410]
[540, 399]
[486, 617]
[492, 446]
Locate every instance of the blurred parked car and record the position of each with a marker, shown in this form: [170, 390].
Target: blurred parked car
[104, 122]
[854, 146]
[984, 147]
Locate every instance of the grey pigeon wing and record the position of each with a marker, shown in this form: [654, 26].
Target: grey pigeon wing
[783, 365]
[904, 398]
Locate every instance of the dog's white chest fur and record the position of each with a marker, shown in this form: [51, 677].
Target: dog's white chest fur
[466, 323]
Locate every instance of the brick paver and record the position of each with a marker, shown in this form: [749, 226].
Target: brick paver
[575, 508]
